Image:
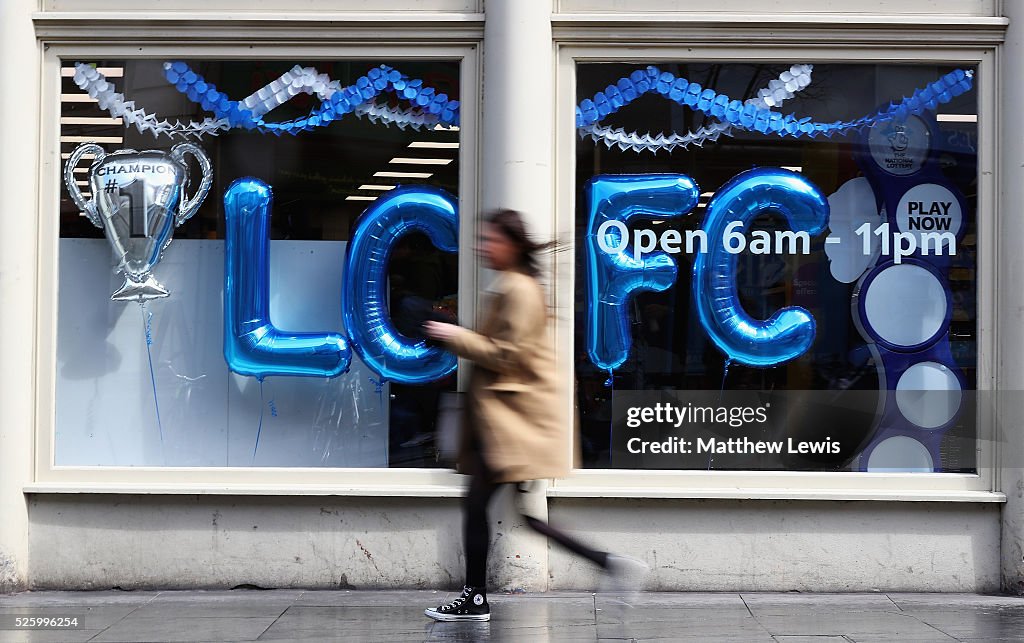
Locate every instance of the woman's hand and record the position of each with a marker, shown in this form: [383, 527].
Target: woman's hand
[441, 331]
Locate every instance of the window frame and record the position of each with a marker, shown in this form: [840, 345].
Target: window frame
[51, 478]
[577, 46]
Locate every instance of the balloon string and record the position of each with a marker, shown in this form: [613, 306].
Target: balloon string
[147, 318]
[259, 427]
[610, 383]
[725, 374]
[721, 393]
[378, 388]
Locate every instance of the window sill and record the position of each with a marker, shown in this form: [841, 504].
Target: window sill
[749, 493]
[229, 489]
[560, 491]
[777, 485]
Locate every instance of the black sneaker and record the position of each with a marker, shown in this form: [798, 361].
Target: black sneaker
[471, 605]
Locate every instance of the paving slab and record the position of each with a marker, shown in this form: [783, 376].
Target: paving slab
[92, 617]
[59, 598]
[811, 639]
[976, 622]
[854, 625]
[445, 633]
[706, 625]
[190, 630]
[960, 601]
[680, 600]
[767, 603]
[328, 598]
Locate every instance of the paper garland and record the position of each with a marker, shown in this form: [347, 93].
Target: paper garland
[90, 80]
[430, 108]
[751, 116]
[778, 90]
[336, 101]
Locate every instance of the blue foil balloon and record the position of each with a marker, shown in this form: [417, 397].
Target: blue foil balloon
[790, 331]
[614, 274]
[252, 345]
[364, 295]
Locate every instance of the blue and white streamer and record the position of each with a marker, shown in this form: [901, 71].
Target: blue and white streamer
[336, 101]
[751, 116]
[431, 109]
[439, 111]
[91, 81]
[778, 90]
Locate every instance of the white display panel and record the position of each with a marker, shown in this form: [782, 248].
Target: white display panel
[105, 411]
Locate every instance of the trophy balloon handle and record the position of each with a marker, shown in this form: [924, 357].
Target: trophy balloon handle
[87, 207]
[190, 205]
[139, 291]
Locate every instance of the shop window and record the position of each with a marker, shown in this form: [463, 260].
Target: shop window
[885, 287]
[148, 384]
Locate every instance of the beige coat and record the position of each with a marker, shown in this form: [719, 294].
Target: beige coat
[513, 397]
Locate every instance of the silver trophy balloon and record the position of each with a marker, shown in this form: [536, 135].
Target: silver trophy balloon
[138, 199]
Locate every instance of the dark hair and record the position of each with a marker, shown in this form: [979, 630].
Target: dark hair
[510, 223]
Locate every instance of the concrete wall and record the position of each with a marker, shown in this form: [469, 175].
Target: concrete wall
[775, 545]
[104, 541]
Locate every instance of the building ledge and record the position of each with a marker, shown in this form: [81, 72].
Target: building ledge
[741, 493]
[561, 491]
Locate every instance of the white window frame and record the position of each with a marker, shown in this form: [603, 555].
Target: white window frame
[581, 39]
[452, 38]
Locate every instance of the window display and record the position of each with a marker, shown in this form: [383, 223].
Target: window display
[794, 242]
[243, 309]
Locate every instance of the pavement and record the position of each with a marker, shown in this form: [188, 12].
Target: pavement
[299, 615]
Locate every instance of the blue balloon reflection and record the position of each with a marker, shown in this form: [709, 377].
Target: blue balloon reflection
[614, 274]
[790, 331]
[364, 294]
[252, 345]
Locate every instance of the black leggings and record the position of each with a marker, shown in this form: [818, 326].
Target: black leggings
[477, 532]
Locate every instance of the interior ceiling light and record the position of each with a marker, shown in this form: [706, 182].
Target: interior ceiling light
[91, 139]
[434, 145]
[77, 98]
[109, 72]
[411, 161]
[404, 175]
[90, 120]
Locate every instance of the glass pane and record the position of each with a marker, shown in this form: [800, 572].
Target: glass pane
[886, 383]
[149, 385]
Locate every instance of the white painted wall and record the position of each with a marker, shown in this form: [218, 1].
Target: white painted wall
[19, 127]
[515, 172]
[1010, 367]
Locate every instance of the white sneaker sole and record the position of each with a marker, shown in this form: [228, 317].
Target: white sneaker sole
[448, 618]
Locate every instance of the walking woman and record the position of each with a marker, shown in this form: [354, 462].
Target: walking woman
[512, 432]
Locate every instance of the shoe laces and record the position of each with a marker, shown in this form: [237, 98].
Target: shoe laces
[458, 602]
